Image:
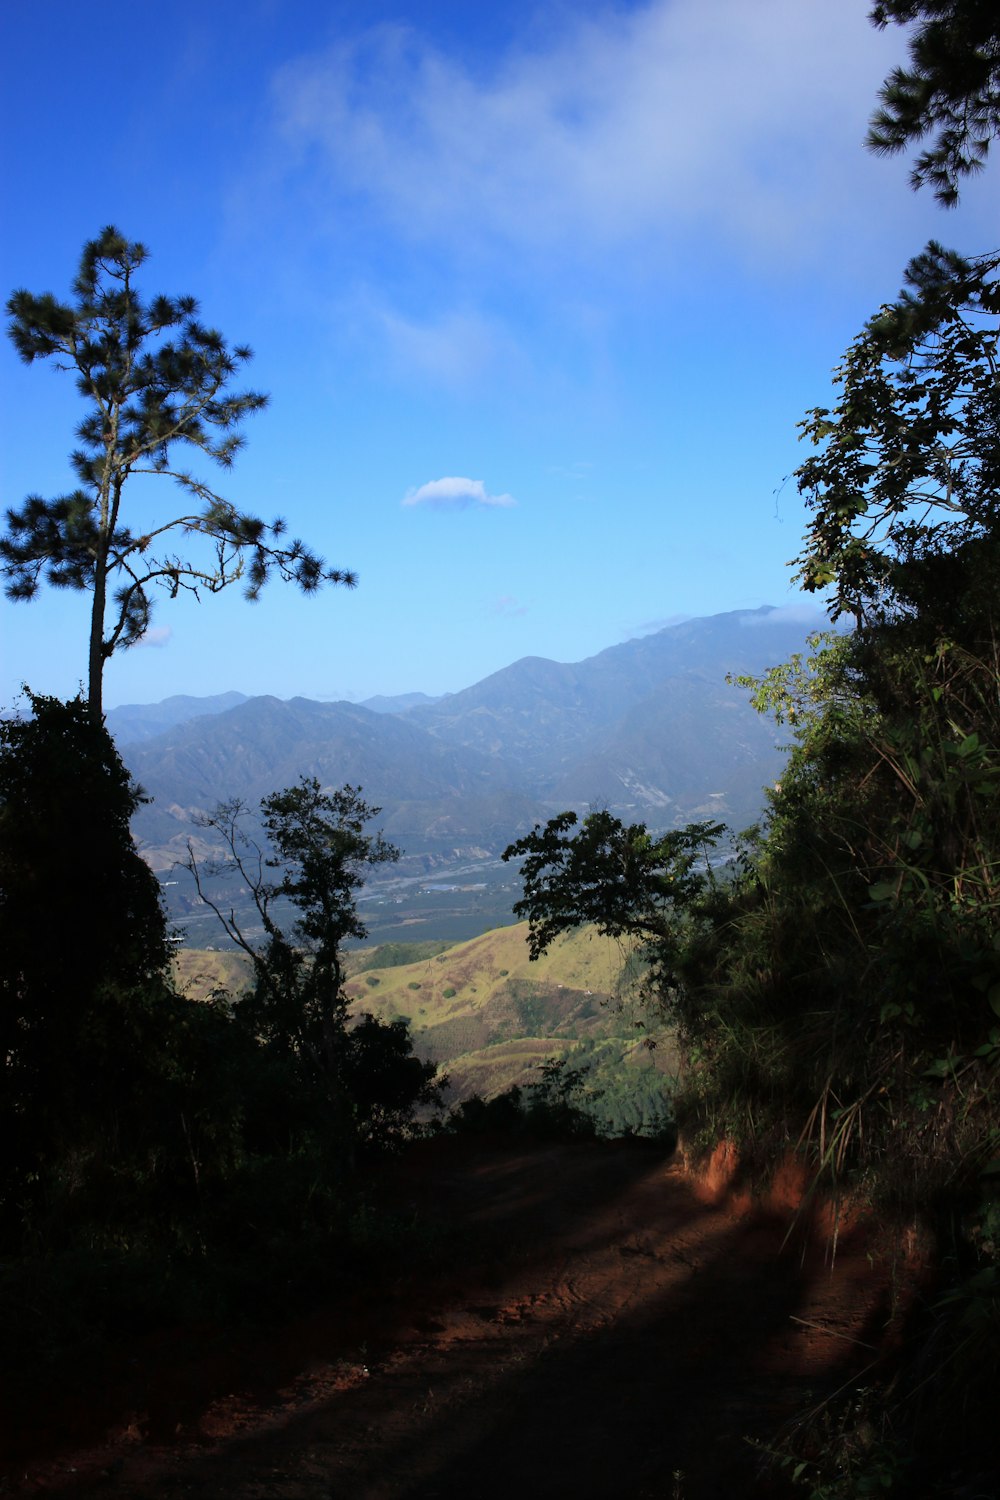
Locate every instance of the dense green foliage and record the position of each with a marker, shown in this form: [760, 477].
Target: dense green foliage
[363, 1079]
[904, 486]
[155, 379]
[163, 1154]
[839, 993]
[592, 1098]
[82, 963]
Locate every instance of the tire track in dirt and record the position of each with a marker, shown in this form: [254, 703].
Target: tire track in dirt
[623, 1342]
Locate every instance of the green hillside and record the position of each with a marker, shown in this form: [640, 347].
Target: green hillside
[199, 971]
[490, 1017]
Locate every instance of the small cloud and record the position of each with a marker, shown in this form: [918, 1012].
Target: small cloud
[579, 469]
[509, 607]
[156, 635]
[455, 494]
[788, 614]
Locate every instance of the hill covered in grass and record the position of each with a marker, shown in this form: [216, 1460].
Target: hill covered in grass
[491, 1018]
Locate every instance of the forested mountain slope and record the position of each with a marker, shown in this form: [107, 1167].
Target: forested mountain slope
[649, 727]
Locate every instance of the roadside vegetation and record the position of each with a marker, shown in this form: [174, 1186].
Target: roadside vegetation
[194, 1135]
[836, 990]
[493, 1020]
[167, 1156]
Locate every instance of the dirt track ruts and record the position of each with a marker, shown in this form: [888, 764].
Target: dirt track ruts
[622, 1337]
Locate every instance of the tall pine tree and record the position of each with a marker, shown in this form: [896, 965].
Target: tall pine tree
[156, 382]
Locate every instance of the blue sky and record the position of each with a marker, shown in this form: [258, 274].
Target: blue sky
[588, 264]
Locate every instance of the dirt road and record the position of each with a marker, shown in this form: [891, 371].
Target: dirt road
[620, 1337]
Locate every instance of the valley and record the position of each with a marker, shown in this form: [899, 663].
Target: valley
[490, 1017]
[650, 729]
[458, 902]
[325, 1175]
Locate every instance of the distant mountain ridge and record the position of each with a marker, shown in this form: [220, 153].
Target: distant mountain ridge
[554, 719]
[430, 793]
[397, 703]
[648, 728]
[134, 722]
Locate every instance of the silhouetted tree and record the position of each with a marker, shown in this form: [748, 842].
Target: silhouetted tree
[907, 469]
[365, 1076]
[620, 877]
[156, 380]
[951, 88]
[83, 941]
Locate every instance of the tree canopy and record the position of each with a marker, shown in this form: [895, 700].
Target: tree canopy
[908, 467]
[951, 90]
[363, 1075]
[318, 849]
[83, 938]
[157, 382]
[617, 876]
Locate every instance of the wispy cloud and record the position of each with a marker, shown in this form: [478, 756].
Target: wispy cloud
[455, 349]
[156, 636]
[649, 627]
[800, 613]
[455, 493]
[509, 607]
[648, 120]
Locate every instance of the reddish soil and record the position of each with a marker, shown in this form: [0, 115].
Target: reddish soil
[627, 1331]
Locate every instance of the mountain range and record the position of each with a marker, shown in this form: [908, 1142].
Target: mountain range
[648, 728]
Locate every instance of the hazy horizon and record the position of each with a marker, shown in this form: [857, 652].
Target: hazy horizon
[539, 296]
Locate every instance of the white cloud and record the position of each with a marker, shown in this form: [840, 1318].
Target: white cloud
[632, 123]
[454, 350]
[156, 636]
[509, 607]
[455, 494]
[801, 613]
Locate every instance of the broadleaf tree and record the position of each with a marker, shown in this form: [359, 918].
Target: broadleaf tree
[617, 876]
[907, 467]
[314, 854]
[157, 383]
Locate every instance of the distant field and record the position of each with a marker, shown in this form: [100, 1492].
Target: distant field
[449, 907]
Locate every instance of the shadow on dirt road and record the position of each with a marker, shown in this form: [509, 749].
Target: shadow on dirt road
[614, 1338]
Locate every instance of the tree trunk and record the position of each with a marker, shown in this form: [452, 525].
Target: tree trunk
[95, 684]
